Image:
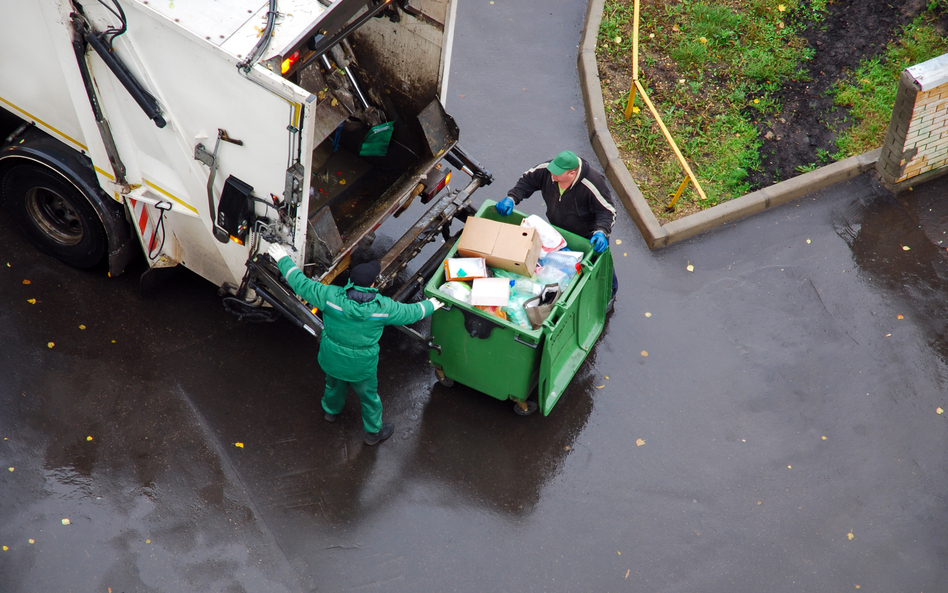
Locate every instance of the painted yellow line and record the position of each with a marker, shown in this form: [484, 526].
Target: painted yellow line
[296, 109]
[44, 124]
[155, 187]
[104, 173]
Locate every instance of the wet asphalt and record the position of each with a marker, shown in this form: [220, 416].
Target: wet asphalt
[784, 393]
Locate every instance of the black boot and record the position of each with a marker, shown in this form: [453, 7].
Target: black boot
[374, 438]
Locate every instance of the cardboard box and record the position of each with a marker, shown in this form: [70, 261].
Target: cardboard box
[506, 246]
[490, 292]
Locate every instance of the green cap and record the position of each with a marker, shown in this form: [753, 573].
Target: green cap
[564, 161]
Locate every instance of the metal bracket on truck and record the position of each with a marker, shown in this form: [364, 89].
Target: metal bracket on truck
[266, 282]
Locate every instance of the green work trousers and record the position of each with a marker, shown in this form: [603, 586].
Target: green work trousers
[367, 389]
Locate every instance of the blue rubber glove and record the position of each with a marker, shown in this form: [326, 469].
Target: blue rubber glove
[599, 241]
[505, 206]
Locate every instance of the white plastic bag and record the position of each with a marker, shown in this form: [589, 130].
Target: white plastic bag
[550, 238]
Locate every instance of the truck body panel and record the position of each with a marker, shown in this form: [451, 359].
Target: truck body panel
[289, 126]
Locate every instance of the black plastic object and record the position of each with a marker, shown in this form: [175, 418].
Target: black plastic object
[144, 99]
[235, 208]
[477, 326]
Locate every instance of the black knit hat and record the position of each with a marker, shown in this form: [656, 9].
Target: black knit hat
[365, 274]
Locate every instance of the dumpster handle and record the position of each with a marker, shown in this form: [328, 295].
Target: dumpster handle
[517, 339]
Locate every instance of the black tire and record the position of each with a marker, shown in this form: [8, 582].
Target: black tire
[54, 215]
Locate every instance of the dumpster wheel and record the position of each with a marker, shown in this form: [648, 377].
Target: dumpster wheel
[446, 381]
[525, 408]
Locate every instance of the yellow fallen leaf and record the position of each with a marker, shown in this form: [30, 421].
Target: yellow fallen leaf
[566, 448]
[781, 7]
[823, 437]
[906, 248]
[808, 241]
[26, 282]
[635, 109]
[113, 341]
[599, 386]
[939, 410]
[342, 182]
[850, 536]
[239, 445]
[625, 254]
[66, 521]
[89, 438]
[647, 314]
[618, 552]
[888, 335]
[627, 573]
[756, 100]
[675, 28]
[147, 541]
[639, 442]
[858, 587]
[31, 301]
[618, 40]
[618, 241]
[760, 502]
[31, 540]
[5, 548]
[607, 377]
[11, 469]
[82, 327]
[900, 316]
[690, 268]
[789, 467]
[644, 353]
[703, 40]
[50, 344]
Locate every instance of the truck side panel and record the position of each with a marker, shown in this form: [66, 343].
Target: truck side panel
[200, 91]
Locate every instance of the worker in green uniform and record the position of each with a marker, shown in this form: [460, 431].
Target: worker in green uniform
[353, 319]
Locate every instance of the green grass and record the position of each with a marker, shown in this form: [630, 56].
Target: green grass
[870, 91]
[724, 60]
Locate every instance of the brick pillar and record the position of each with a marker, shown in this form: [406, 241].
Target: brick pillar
[916, 142]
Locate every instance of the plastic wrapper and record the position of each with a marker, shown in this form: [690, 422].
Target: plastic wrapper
[515, 311]
[457, 290]
[550, 238]
[496, 311]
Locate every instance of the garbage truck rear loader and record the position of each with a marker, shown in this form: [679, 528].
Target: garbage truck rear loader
[198, 132]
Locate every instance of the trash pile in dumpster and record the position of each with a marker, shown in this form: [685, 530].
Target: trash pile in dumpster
[515, 273]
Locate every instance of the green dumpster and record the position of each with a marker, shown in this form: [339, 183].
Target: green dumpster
[506, 361]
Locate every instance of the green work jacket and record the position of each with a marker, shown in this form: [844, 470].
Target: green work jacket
[349, 346]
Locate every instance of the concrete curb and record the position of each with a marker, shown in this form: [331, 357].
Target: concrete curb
[655, 234]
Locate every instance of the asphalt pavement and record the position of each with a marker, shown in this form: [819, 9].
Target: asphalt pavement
[759, 415]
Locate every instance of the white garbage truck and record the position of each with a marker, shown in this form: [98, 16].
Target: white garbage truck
[197, 132]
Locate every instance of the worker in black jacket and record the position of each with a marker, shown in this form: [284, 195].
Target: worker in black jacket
[577, 199]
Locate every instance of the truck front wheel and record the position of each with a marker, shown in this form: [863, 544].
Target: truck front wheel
[54, 215]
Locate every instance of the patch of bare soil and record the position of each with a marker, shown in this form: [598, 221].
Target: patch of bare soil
[809, 121]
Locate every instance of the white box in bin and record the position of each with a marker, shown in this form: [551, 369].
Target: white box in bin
[464, 268]
[490, 292]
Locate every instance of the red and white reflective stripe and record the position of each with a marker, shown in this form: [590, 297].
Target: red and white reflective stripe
[144, 223]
